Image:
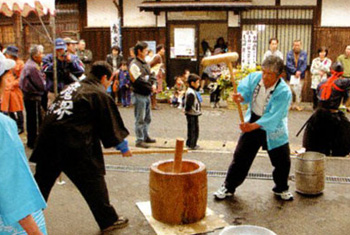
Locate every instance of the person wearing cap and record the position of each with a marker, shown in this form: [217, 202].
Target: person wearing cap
[33, 85]
[82, 117]
[12, 97]
[327, 130]
[85, 55]
[71, 45]
[20, 199]
[69, 68]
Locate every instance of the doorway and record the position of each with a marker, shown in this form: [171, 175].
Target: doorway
[184, 49]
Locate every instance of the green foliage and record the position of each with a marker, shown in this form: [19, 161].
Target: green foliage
[225, 83]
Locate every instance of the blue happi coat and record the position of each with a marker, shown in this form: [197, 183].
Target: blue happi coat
[274, 119]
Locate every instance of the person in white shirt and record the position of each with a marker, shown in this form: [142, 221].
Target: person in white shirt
[273, 45]
[319, 68]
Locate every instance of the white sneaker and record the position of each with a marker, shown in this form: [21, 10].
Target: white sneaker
[285, 195]
[212, 105]
[222, 193]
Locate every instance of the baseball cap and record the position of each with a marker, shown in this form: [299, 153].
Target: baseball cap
[60, 44]
[68, 40]
[12, 50]
[5, 64]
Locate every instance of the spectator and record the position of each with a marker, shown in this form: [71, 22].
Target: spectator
[12, 98]
[124, 84]
[82, 117]
[115, 58]
[149, 56]
[193, 111]
[273, 45]
[69, 68]
[319, 68]
[158, 68]
[144, 83]
[327, 131]
[221, 44]
[345, 60]
[265, 126]
[71, 45]
[32, 82]
[213, 73]
[296, 64]
[179, 92]
[20, 199]
[131, 55]
[85, 56]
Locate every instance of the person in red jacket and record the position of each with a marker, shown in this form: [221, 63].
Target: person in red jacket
[12, 98]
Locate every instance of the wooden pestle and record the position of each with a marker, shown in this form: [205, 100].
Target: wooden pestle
[178, 155]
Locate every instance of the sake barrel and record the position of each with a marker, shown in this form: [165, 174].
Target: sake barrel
[178, 198]
[309, 173]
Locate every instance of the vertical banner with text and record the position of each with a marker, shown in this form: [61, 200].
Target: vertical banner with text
[249, 48]
[116, 34]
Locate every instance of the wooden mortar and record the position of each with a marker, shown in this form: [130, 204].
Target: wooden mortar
[178, 189]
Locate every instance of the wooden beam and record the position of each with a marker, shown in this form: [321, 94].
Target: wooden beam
[82, 4]
[318, 13]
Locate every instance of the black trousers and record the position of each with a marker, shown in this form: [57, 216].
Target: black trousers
[314, 99]
[246, 150]
[192, 130]
[18, 118]
[34, 119]
[215, 95]
[91, 185]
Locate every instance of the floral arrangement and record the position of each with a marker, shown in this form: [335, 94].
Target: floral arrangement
[225, 79]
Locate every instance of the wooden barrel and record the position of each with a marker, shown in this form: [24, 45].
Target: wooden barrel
[309, 173]
[178, 198]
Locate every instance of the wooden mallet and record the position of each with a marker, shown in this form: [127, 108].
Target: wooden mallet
[226, 58]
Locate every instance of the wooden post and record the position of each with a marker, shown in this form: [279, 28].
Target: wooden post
[178, 155]
[18, 33]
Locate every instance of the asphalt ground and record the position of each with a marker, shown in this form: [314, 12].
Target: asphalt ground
[253, 203]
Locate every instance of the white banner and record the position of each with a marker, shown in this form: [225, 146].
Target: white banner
[116, 35]
[249, 48]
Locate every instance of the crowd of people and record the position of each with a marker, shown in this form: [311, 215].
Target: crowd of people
[83, 112]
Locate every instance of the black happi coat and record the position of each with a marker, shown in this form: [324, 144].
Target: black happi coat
[82, 115]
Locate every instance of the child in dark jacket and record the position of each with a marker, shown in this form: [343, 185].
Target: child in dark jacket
[124, 84]
[193, 111]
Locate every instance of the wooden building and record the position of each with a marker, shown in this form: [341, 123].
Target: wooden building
[316, 22]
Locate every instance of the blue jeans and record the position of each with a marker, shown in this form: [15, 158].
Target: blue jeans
[142, 114]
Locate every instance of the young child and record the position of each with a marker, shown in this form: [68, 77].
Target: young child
[124, 84]
[179, 91]
[192, 111]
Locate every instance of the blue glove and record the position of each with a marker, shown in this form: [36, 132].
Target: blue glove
[123, 146]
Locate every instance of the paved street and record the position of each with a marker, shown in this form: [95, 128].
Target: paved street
[254, 203]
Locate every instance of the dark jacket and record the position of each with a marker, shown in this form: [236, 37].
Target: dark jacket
[192, 103]
[32, 81]
[292, 68]
[144, 79]
[67, 72]
[109, 60]
[82, 116]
